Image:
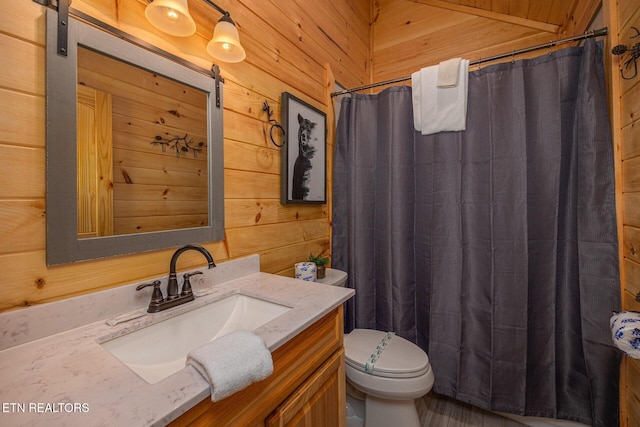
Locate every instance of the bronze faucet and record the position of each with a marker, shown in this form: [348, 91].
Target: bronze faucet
[158, 303]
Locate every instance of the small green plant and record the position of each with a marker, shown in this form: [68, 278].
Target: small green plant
[318, 260]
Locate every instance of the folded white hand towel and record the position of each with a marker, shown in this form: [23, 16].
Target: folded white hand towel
[448, 72]
[232, 362]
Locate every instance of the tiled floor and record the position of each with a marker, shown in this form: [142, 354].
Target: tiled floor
[440, 411]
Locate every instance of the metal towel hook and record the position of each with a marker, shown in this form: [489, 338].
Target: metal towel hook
[274, 124]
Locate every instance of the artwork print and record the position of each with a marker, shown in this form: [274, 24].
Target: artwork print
[304, 154]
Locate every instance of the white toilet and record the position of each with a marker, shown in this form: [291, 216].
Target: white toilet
[385, 374]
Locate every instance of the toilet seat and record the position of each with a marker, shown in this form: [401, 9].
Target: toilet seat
[401, 371]
[381, 354]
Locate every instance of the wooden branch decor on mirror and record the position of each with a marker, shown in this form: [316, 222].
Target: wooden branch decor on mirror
[181, 144]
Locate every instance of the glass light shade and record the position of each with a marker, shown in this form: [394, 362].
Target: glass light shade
[225, 44]
[171, 17]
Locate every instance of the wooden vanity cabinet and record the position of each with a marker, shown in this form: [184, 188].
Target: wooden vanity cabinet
[307, 387]
[316, 402]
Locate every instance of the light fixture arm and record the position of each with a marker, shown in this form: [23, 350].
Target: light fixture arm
[218, 8]
[209, 2]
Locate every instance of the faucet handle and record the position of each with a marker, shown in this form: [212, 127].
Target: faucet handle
[186, 286]
[156, 297]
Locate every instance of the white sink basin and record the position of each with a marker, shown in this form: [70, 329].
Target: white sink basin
[159, 350]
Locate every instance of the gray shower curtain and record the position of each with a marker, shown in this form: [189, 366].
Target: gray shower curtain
[494, 249]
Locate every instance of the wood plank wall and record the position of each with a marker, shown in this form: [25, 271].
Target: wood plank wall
[290, 47]
[626, 130]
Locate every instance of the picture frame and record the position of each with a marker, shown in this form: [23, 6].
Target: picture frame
[304, 154]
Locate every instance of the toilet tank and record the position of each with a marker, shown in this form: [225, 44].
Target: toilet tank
[333, 277]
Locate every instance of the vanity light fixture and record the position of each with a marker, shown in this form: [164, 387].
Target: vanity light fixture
[172, 17]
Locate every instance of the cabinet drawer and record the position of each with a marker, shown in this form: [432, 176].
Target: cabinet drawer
[319, 402]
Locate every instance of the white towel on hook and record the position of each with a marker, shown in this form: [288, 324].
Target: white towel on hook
[416, 97]
[439, 109]
[232, 362]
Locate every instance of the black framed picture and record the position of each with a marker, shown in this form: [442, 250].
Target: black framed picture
[304, 155]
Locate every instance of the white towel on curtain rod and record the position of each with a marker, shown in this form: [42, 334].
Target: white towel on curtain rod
[440, 109]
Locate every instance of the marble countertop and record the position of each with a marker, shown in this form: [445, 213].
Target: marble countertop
[69, 379]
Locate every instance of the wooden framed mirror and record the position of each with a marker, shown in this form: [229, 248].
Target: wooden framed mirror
[134, 148]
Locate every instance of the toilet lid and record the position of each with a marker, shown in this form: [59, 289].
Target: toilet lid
[384, 354]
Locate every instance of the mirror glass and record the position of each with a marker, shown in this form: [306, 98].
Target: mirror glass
[134, 148]
[142, 150]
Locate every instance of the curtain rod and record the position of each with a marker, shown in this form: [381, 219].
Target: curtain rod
[589, 34]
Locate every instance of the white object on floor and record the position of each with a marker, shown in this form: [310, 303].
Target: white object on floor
[232, 362]
[438, 109]
[448, 72]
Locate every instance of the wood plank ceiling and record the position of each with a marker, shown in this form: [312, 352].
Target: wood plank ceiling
[556, 16]
[549, 11]
[410, 34]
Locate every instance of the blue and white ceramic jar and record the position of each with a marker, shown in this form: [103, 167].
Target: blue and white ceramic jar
[306, 271]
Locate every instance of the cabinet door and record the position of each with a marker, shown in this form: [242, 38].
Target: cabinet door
[319, 402]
